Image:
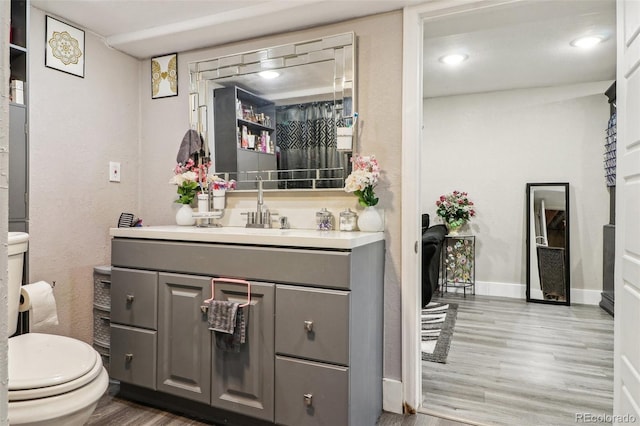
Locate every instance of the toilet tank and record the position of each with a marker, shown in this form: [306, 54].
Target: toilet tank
[18, 245]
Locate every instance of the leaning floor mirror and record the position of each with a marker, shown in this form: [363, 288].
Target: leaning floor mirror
[548, 267]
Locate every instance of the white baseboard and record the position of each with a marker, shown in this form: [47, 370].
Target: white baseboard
[585, 297]
[518, 291]
[513, 290]
[392, 395]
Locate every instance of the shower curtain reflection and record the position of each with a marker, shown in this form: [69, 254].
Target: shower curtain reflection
[306, 136]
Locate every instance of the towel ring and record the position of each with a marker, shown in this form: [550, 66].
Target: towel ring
[231, 281]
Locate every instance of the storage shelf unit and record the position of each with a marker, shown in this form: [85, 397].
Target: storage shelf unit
[231, 151]
[102, 312]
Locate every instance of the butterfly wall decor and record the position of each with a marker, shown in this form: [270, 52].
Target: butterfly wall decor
[164, 76]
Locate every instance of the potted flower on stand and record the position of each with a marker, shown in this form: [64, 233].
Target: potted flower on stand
[455, 209]
[362, 181]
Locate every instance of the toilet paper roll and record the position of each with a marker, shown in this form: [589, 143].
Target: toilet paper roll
[38, 298]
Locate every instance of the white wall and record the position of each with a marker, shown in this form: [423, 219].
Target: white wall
[379, 70]
[491, 144]
[77, 125]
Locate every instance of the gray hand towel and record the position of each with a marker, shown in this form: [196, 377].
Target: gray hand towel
[233, 342]
[191, 143]
[222, 316]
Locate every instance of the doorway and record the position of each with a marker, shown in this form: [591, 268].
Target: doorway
[491, 281]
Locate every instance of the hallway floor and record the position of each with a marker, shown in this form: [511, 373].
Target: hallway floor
[513, 362]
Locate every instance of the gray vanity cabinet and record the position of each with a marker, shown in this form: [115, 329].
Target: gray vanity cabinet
[313, 351]
[243, 382]
[184, 339]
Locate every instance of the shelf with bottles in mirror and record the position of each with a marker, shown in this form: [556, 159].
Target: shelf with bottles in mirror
[262, 142]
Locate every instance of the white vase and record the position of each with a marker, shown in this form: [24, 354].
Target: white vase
[184, 216]
[454, 230]
[370, 220]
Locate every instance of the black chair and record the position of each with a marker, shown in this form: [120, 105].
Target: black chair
[432, 239]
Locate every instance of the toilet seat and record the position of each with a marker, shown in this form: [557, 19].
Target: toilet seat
[43, 365]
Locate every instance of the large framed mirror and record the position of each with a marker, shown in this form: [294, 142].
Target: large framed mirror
[277, 113]
[548, 248]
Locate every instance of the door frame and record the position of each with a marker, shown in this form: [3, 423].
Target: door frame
[414, 18]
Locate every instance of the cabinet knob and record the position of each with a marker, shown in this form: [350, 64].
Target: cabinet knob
[308, 326]
[308, 399]
[130, 298]
[128, 357]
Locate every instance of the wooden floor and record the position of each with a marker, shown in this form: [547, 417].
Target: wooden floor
[513, 362]
[112, 410]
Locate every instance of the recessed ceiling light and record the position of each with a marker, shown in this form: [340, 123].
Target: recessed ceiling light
[453, 59]
[268, 74]
[587, 42]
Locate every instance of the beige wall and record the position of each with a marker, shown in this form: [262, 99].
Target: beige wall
[494, 144]
[77, 125]
[164, 122]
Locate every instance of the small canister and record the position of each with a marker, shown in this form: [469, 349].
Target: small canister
[348, 220]
[324, 220]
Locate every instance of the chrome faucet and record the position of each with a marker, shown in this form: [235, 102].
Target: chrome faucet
[261, 218]
[260, 199]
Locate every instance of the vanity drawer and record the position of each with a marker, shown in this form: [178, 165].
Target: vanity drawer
[134, 297]
[311, 393]
[133, 355]
[313, 323]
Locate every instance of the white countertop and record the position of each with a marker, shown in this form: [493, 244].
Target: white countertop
[258, 236]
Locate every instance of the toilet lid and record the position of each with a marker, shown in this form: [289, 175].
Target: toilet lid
[43, 360]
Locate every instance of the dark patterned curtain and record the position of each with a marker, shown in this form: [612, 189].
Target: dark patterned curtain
[306, 135]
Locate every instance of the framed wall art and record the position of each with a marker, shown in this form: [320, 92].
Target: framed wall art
[164, 76]
[64, 47]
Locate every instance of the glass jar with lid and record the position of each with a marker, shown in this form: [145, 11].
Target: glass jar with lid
[348, 220]
[324, 220]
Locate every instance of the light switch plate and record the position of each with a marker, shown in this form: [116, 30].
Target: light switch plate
[114, 171]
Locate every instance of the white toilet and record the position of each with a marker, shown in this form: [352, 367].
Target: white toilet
[53, 380]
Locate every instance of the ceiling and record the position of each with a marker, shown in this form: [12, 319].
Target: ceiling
[147, 28]
[520, 45]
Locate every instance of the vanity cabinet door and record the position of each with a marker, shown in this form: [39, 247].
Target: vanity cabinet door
[243, 381]
[184, 339]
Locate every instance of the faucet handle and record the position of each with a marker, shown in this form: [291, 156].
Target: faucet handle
[251, 217]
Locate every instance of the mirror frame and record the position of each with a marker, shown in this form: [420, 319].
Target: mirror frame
[203, 74]
[567, 257]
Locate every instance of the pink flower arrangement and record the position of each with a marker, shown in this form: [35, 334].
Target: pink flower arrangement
[192, 178]
[455, 209]
[363, 179]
